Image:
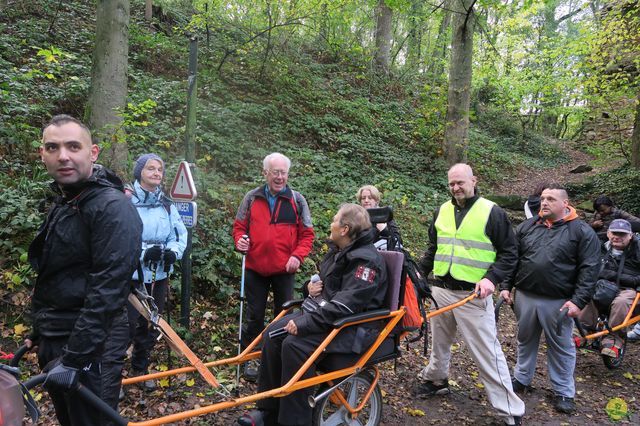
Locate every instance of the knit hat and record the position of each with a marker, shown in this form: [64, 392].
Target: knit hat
[141, 162]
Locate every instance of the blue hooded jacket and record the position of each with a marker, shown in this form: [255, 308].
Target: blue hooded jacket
[161, 225]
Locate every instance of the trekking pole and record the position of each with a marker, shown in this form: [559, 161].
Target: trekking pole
[244, 258]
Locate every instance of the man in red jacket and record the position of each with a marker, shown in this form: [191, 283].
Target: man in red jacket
[273, 227]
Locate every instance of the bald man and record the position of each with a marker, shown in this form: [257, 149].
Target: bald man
[557, 268]
[471, 248]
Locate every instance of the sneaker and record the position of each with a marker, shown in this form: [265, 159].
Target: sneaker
[250, 372]
[564, 404]
[429, 388]
[519, 387]
[256, 418]
[611, 347]
[634, 334]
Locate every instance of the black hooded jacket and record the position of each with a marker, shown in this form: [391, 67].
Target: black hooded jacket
[629, 276]
[84, 253]
[354, 280]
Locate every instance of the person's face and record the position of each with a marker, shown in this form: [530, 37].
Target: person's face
[339, 232]
[68, 153]
[604, 210]
[277, 175]
[151, 175]
[367, 201]
[619, 240]
[461, 185]
[552, 204]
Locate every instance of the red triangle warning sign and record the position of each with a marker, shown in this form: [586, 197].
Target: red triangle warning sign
[183, 187]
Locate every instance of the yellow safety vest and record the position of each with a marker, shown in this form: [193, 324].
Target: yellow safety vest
[466, 253]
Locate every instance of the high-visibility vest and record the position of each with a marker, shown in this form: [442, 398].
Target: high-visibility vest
[466, 253]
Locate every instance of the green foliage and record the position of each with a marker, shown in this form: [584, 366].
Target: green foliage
[621, 184]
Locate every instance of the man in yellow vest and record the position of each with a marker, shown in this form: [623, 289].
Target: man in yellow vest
[472, 248]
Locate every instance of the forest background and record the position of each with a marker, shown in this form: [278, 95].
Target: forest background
[383, 92]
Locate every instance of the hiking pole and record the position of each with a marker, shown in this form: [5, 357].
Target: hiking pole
[244, 259]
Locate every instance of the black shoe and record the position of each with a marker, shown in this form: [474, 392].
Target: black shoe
[564, 404]
[256, 418]
[250, 372]
[428, 388]
[519, 387]
[517, 421]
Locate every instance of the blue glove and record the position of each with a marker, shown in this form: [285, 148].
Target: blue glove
[61, 376]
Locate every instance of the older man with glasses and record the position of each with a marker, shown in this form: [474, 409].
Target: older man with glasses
[273, 228]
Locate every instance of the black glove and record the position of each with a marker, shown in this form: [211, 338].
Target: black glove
[60, 376]
[169, 258]
[608, 275]
[152, 254]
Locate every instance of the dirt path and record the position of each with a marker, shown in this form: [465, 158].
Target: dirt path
[525, 180]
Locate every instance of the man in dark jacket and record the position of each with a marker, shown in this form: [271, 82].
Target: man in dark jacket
[353, 279]
[620, 265]
[273, 227]
[84, 253]
[471, 248]
[558, 261]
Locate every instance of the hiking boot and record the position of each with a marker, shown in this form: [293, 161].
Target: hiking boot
[251, 370]
[564, 404]
[634, 334]
[519, 387]
[429, 388]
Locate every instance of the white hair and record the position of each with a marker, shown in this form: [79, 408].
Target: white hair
[275, 155]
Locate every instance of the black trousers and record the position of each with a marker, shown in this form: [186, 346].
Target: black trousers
[256, 291]
[281, 359]
[141, 334]
[102, 377]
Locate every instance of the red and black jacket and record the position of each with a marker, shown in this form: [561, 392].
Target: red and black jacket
[274, 237]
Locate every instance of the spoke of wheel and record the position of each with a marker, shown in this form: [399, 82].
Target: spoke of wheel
[335, 419]
[353, 394]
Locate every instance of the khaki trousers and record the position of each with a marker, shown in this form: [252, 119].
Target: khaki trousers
[476, 322]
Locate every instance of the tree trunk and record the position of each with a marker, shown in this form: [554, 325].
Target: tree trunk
[414, 47]
[456, 132]
[635, 138]
[148, 10]
[383, 37]
[108, 91]
[437, 59]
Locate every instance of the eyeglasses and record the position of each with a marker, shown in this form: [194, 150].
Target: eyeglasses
[276, 173]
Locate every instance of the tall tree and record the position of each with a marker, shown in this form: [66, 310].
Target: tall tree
[382, 58]
[108, 91]
[148, 10]
[456, 131]
[635, 137]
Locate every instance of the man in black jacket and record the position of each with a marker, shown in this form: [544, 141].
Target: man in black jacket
[558, 260]
[620, 265]
[353, 279]
[84, 253]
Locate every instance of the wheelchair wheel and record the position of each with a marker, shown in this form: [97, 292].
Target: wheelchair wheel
[614, 363]
[328, 413]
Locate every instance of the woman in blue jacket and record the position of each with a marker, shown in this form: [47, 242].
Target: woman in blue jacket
[164, 238]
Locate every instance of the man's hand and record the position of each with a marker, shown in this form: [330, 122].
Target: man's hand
[292, 265]
[29, 344]
[596, 224]
[314, 288]
[506, 295]
[291, 328]
[486, 288]
[574, 311]
[242, 245]
[60, 376]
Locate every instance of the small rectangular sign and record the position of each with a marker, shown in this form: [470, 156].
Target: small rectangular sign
[188, 211]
